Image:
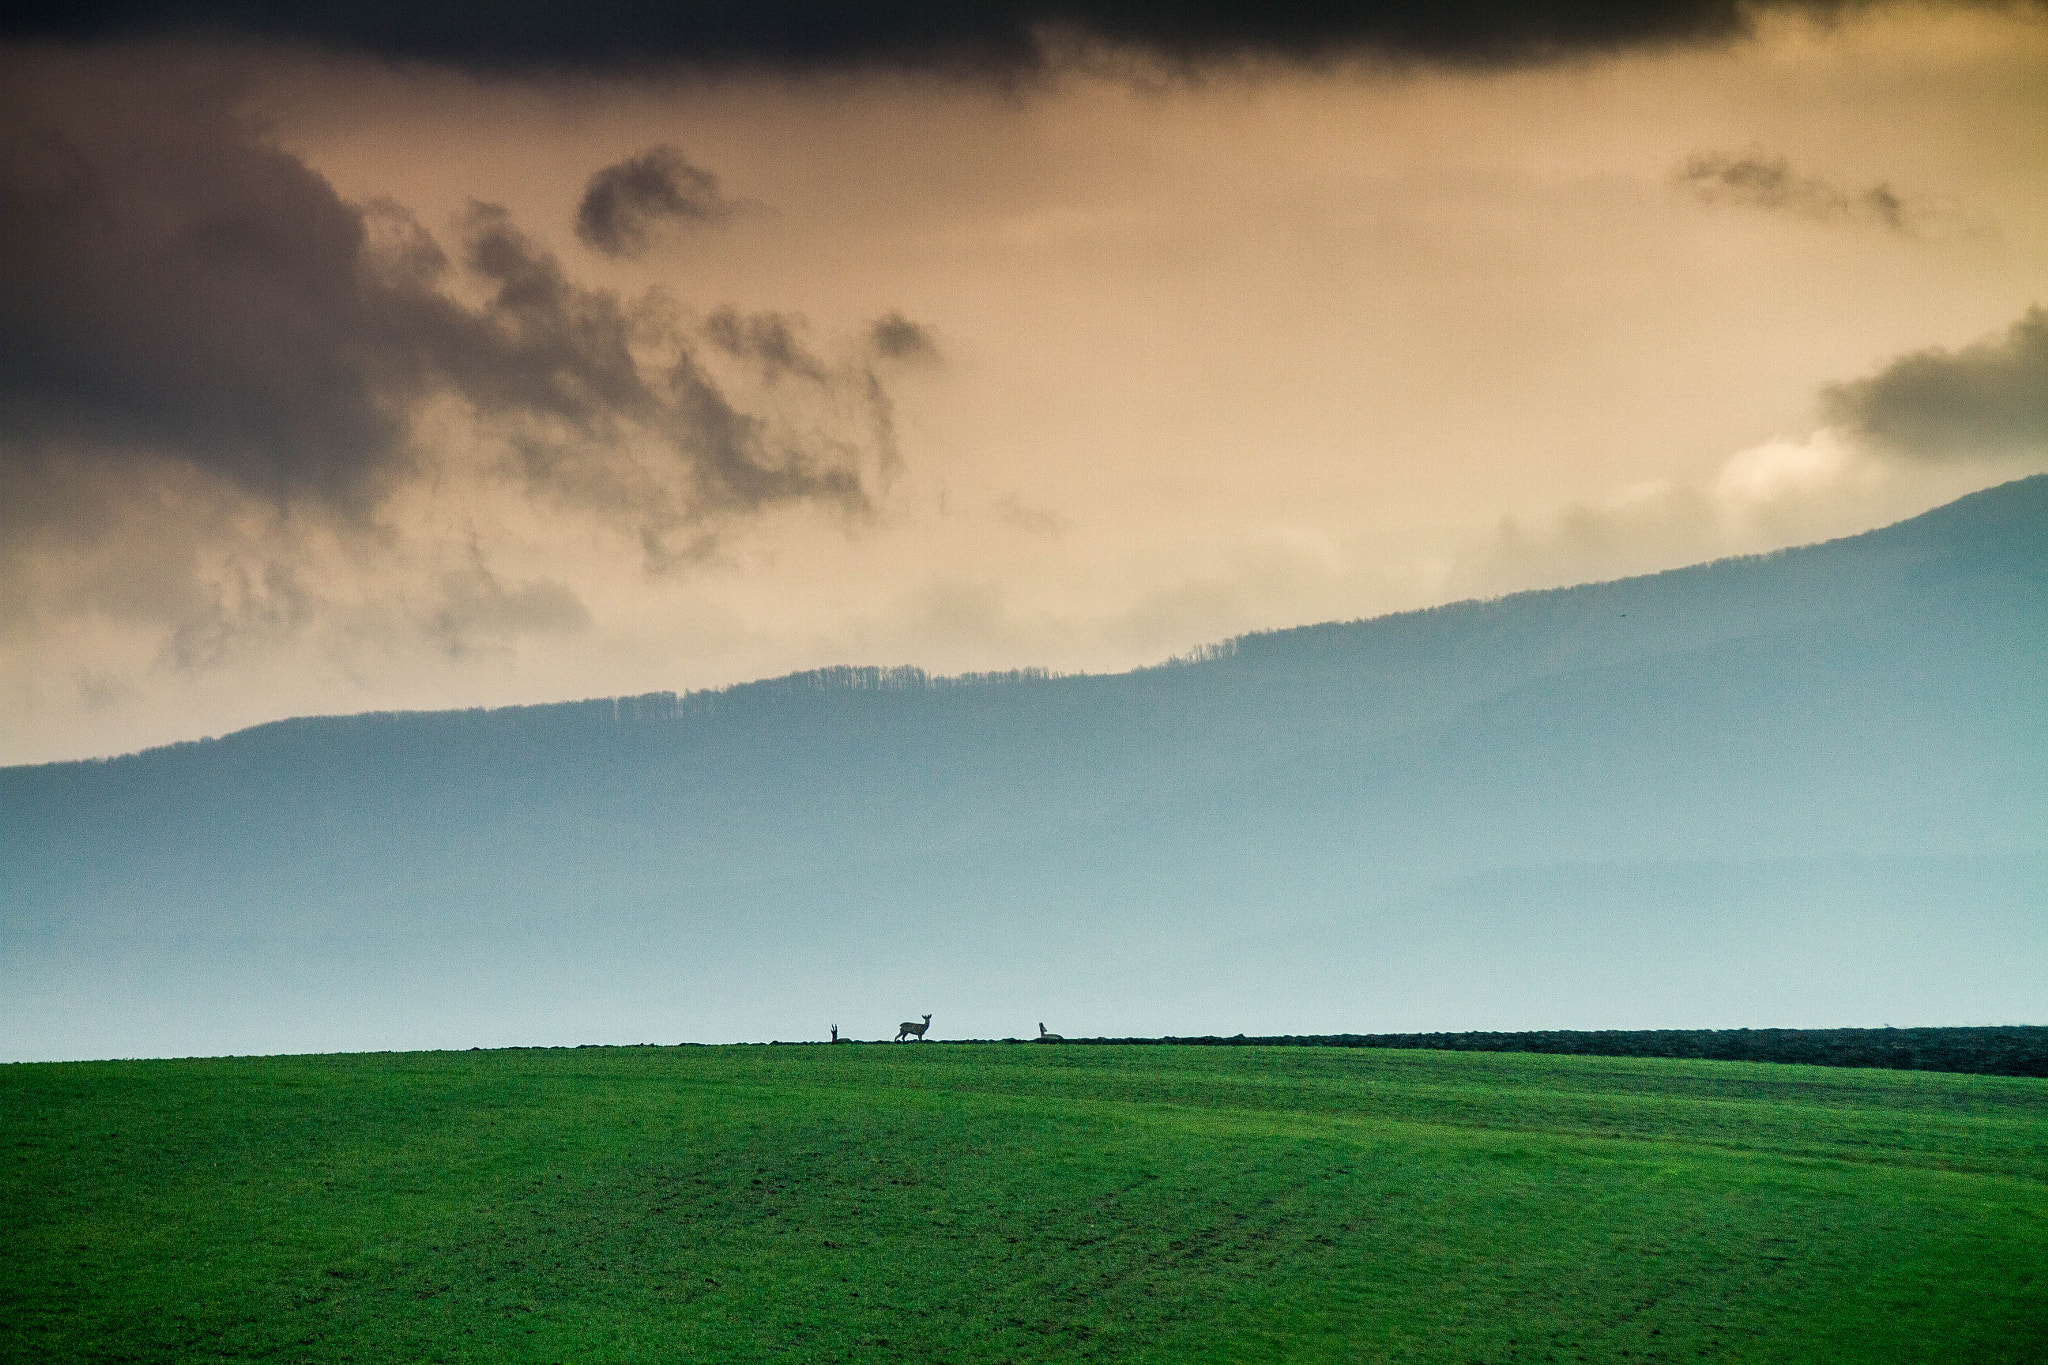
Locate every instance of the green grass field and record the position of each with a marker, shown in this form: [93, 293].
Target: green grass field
[932, 1203]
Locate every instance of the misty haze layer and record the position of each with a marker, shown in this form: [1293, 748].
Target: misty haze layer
[1804, 789]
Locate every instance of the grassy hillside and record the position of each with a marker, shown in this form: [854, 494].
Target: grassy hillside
[984, 1202]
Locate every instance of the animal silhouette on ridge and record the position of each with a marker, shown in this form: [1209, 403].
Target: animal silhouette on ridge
[914, 1030]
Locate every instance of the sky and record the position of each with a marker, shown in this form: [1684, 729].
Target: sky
[357, 364]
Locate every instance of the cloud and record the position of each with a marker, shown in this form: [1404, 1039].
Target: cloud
[896, 337]
[476, 610]
[178, 288]
[227, 394]
[1990, 398]
[1924, 429]
[99, 690]
[1783, 470]
[591, 426]
[628, 207]
[1002, 38]
[768, 340]
[1014, 512]
[1785, 491]
[1760, 181]
[175, 286]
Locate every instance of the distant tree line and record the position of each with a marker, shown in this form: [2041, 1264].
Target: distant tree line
[2004, 1050]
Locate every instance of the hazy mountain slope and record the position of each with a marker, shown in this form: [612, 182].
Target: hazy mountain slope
[1761, 744]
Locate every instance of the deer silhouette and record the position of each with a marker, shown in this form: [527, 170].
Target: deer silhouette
[835, 1032]
[1045, 1037]
[914, 1030]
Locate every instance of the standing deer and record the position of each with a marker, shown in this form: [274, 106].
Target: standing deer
[914, 1030]
[1045, 1037]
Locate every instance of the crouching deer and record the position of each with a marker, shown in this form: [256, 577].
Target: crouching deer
[1045, 1037]
[914, 1030]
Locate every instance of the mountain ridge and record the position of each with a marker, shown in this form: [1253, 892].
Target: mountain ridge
[2019, 504]
[1809, 788]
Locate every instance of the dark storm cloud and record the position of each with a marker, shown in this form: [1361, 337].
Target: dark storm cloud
[896, 337]
[1988, 398]
[173, 285]
[630, 206]
[175, 288]
[1756, 180]
[770, 341]
[998, 37]
[558, 363]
